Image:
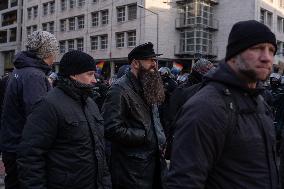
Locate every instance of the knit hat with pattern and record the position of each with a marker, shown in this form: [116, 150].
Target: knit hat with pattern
[42, 43]
[202, 66]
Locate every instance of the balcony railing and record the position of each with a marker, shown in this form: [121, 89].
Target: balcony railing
[214, 2]
[212, 24]
[210, 52]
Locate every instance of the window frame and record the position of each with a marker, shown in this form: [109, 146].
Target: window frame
[121, 14]
[119, 39]
[104, 38]
[133, 42]
[104, 17]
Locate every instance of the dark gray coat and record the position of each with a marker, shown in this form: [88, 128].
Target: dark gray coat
[209, 152]
[129, 125]
[63, 145]
[27, 85]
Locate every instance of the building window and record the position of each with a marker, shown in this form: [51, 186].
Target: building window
[281, 3]
[95, 1]
[62, 47]
[104, 14]
[81, 3]
[120, 39]
[35, 11]
[269, 19]
[51, 27]
[104, 42]
[279, 24]
[14, 3]
[120, 14]
[44, 26]
[52, 7]
[34, 28]
[29, 30]
[71, 24]
[63, 5]
[196, 41]
[45, 9]
[95, 19]
[63, 25]
[94, 43]
[71, 45]
[81, 22]
[13, 34]
[266, 17]
[131, 38]
[29, 13]
[3, 36]
[262, 16]
[72, 4]
[132, 12]
[80, 44]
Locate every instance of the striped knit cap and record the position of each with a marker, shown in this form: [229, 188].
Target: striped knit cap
[42, 43]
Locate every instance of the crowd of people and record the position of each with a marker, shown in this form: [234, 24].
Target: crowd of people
[220, 126]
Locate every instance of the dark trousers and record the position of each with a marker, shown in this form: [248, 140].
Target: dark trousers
[11, 178]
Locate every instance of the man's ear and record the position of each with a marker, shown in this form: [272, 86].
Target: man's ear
[135, 64]
[232, 60]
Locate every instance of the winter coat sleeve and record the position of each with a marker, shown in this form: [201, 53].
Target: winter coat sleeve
[198, 142]
[114, 113]
[39, 133]
[35, 86]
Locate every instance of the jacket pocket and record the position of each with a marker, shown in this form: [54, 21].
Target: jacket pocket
[75, 128]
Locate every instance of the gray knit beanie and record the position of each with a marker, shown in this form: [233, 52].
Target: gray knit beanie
[42, 43]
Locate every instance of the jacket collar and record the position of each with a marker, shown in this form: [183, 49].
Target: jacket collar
[29, 59]
[224, 74]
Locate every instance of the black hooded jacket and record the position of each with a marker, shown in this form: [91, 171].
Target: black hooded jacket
[209, 152]
[27, 85]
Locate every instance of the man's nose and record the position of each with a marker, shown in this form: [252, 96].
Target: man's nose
[267, 54]
[94, 80]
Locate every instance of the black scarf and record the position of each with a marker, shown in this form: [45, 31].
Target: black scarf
[76, 90]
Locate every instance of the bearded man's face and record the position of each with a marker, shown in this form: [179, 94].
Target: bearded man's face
[151, 81]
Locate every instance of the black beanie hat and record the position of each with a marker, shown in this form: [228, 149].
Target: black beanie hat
[245, 34]
[76, 62]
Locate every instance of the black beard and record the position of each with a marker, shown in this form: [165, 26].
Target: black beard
[152, 86]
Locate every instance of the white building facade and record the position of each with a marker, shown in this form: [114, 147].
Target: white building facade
[181, 30]
[106, 29]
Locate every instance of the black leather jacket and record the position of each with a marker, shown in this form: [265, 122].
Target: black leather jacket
[134, 135]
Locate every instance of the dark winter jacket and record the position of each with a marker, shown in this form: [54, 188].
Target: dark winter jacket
[27, 85]
[135, 135]
[211, 152]
[63, 145]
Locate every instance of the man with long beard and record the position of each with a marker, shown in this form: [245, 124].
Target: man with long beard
[221, 145]
[132, 123]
